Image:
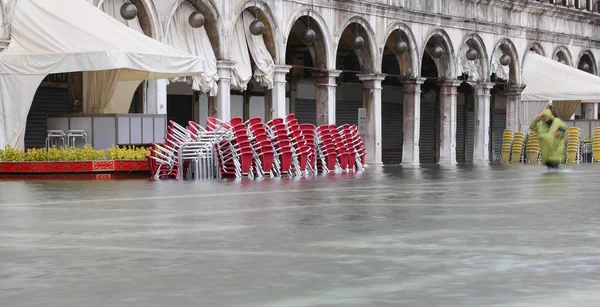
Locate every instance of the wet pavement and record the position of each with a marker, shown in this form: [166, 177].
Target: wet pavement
[414, 236]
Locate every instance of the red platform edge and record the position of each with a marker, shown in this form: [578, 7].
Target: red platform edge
[74, 167]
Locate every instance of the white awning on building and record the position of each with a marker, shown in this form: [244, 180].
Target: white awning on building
[58, 36]
[547, 79]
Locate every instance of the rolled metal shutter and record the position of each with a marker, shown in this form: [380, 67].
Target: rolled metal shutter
[470, 133]
[460, 133]
[428, 143]
[306, 111]
[499, 126]
[392, 133]
[346, 112]
[46, 101]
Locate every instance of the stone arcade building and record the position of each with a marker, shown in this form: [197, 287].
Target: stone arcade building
[440, 79]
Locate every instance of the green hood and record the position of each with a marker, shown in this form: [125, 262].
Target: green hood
[548, 113]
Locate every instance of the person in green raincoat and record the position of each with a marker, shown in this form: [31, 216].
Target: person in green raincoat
[551, 133]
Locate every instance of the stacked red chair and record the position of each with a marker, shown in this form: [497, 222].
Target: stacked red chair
[300, 148]
[235, 154]
[265, 160]
[284, 153]
[326, 150]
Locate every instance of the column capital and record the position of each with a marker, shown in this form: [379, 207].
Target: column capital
[417, 81]
[412, 85]
[371, 77]
[450, 83]
[224, 68]
[282, 69]
[483, 89]
[326, 73]
[371, 81]
[225, 64]
[326, 77]
[280, 72]
[515, 89]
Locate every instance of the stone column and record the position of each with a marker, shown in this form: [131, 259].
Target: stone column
[224, 92]
[372, 102]
[325, 83]
[156, 97]
[448, 95]
[482, 96]
[279, 90]
[590, 110]
[513, 102]
[411, 123]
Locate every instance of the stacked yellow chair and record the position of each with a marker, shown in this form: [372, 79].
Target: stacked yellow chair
[573, 145]
[533, 148]
[507, 140]
[596, 144]
[517, 147]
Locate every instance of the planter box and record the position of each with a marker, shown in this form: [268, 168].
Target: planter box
[107, 166]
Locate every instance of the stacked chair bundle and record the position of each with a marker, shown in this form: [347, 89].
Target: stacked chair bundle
[517, 147]
[533, 148]
[507, 140]
[574, 145]
[596, 144]
[255, 149]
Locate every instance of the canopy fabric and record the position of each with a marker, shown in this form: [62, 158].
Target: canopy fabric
[242, 69]
[58, 36]
[265, 66]
[196, 42]
[546, 79]
[529, 110]
[565, 109]
[244, 44]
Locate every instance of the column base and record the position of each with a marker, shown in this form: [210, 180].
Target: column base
[447, 162]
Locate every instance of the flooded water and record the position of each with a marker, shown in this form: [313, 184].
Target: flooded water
[392, 236]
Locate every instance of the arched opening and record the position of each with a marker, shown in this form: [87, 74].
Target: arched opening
[429, 142]
[397, 64]
[436, 66]
[563, 57]
[537, 48]
[504, 73]
[192, 98]
[465, 123]
[353, 58]
[306, 51]
[254, 54]
[472, 59]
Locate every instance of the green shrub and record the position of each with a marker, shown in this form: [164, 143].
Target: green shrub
[87, 153]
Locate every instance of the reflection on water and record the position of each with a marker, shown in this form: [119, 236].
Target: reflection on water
[400, 236]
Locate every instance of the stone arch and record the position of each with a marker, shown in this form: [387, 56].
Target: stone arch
[562, 53]
[367, 56]
[479, 65]
[536, 48]
[506, 46]
[148, 16]
[212, 21]
[263, 12]
[586, 56]
[409, 64]
[324, 55]
[446, 64]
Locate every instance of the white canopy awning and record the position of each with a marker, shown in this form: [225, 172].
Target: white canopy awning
[58, 36]
[547, 79]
